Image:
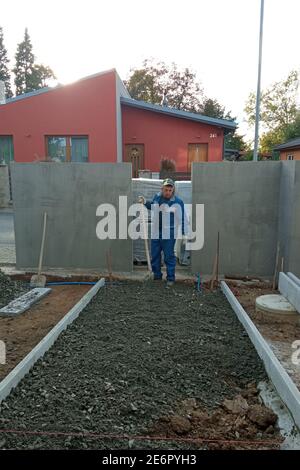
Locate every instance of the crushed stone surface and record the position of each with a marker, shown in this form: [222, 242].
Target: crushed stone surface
[134, 353]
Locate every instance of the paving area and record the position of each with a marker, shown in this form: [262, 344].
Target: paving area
[140, 361]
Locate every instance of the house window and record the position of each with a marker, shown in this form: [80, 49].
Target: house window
[6, 149]
[290, 157]
[67, 148]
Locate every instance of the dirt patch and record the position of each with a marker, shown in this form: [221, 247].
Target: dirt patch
[240, 423]
[135, 352]
[274, 331]
[25, 277]
[280, 336]
[23, 332]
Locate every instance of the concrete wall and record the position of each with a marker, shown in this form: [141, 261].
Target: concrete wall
[252, 205]
[286, 210]
[241, 202]
[294, 258]
[4, 186]
[70, 194]
[289, 216]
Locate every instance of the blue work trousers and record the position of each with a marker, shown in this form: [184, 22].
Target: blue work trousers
[167, 246]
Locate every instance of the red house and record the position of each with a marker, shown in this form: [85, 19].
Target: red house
[96, 120]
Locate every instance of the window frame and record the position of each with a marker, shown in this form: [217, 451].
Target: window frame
[68, 138]
[13, 148]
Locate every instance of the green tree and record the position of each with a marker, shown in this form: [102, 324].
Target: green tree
[293, 129]
[145, 83]
[235, 141]
[278, 110]
[278, 103]
[29, 76]
[41, 75]
[271, 138]
[24, 66]
[183, 90]
[211, 107]
[156, 83]
[4, 70]
[159, 83]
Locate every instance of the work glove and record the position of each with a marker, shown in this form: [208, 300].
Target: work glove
[142, 200]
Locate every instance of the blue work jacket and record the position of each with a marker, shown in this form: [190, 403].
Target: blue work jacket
[168, 216]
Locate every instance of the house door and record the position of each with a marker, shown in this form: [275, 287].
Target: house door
[134, 153]
[197, 153]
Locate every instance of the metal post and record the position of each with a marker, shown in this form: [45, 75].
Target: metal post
[255, 153]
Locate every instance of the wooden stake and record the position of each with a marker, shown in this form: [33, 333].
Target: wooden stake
[108, 262]
[215, 273]
[276, 266]
[218, 256]
[282, 264]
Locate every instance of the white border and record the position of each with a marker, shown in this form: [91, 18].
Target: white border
[284, 385]
[294, 278]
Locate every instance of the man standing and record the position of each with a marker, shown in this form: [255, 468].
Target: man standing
[168, 218]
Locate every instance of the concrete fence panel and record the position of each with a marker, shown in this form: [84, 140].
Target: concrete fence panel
[241, 201]
[289, 217]
[70, 194]
[4, 186]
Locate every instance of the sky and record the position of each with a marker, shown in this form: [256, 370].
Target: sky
[218, 39]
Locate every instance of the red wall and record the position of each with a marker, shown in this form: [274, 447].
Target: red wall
[87, 107]
[166, 136]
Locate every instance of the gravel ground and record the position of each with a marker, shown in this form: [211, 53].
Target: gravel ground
[132, 355]
[10, 290]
